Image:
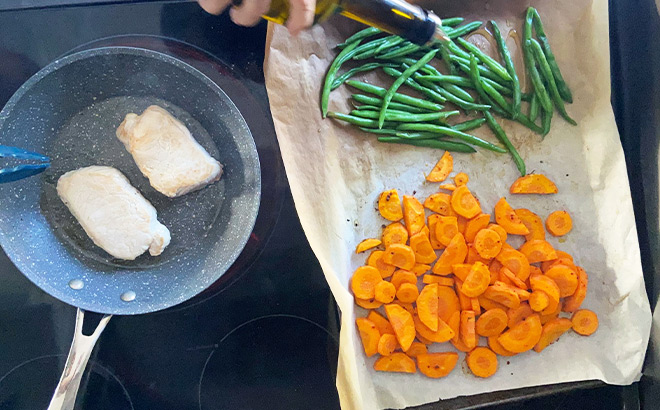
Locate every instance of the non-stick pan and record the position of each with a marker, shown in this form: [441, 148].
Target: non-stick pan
[69, 111]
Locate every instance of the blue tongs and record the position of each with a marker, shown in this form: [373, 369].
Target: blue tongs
[17, 172]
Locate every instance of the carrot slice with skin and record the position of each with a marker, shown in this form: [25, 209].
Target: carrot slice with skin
[394, 233]
[368, 303]
[401, 256]
[473, 255]
[515, 261]
[533, 222]
[387, 344]
[503, 294]
[385, 292]
[432, 223]
[504, 279]
[488, 304]
[539, 300]
[402, 323]
[367, 244]
[533, 184]
[364, 281]
[585, 322]
[495, 266]
[443, 334]
[506, 273]
[455, 252]
[442, 168]
[459, 345]
[461, 270]
[492, 322]
[375, 260]
[500, 231]
[476, 307]
[407, 306]
[446, 228]
[423, 340]
[461, 179]
[413, 215]
[545, 318]
[559, 223]
[437, 365]
[440, 203]
[448, 303]
[538, 250]
[465, 302]
[506, 217]
[419, 269]
[396, 362]
[464, 203]
[389, 205]
[551, 332]
[416, 349]
[403, 276]
[439, 280]
[573, 302]
[548, 286]
[545, 266]
[477, 280]
[369, 335]
[462, 223]
[455, 324]
[565, 278]
[381, 323]
[488, 243]
[448, 187]
[474, 225]
[427, 306]
[421, 246]
[496, 347]
[482, 362]
[407, 293]
[468, 331]
[523, 336]
[518, 314]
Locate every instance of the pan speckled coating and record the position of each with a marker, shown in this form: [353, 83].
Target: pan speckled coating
[69, 111]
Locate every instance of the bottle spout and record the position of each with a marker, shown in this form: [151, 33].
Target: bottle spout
[439, 34]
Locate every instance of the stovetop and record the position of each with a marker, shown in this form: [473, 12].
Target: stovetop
[266, 334]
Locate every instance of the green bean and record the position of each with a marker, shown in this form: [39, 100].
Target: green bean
[475, 76]
[438, 144]
[446, 79]
[501, 135]
[539, 88]
[384, 131]
[463, 30]
[522, 119]
[343, 56]
[402, 98]
[469, 125]
[375, 101]
[564, 91]
[454, 48]
[444, 53]
[546, 120]
[359, 36]
[486, 59]
[499, 87]
[402, 116]
[464, 65]
[527, 96]
[534, 108]
[399, 81]
[417, 135]
[393, 107]
[462, 103]
[391, 42]
[439, 129]
[452, 21]
[387, 43]
[510, 68]
[399, 52]
[393, 72]
[361, 122]
[459, 92]
[546, 71]
[350, 73]
[410, 61]
[498, 98]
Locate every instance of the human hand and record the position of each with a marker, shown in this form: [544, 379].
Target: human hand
[249, 12]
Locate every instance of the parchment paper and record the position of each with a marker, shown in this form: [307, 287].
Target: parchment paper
[336, 174]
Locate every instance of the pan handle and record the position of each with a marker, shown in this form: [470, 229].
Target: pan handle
[81, 349]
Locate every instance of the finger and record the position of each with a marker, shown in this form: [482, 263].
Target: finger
[301, 15]
[249, 13]
[214, 6]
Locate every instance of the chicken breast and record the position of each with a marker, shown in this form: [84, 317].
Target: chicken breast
[112, 212]
[167, 153]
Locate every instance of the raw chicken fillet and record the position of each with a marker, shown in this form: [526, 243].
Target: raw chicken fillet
[112, 212]
[166, 152]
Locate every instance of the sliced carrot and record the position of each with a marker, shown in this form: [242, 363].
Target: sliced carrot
[503, 294]
[559, 223]
[385, 292]
[381, 323]
[495, 266]
[473, 255]
[573, 302]
[459, 345]
[443, 334]
[462, 223]
[488, 243]
[515, 261]
[488, 304]
[407, 293]
[437, 365]
[455, 252]
[468, 331]
[427, 306]
[539, 300]
[368, 303]
[533, 184]
[448, 302]
[419, 269]
[545, 318]
[533, 222]
[432, 223]
[477, 280]
[464, 203]
[585, 322]
[403, 276]
[534, 271]
[476, 306]
[364, 281]
[523, 294]
[482, 362]
[448, 187]
[461, 179]
[506, 217]
[500, 231]
[401, 256]
[389, 205]
[446, 228]
[523, 336]
[565, 278]
[538, 250]
[367, 244]
[440, 280]
[417, 348]
[440, 203]
[547, 265]
[461, 270]
[402, 323]
[518, 314]
[396, 362]
[496, 347]
[442, 168]
[375, 260]
[474, 225]
[504, 279]
[455, 325]
[506, 273]
[369, 335]
[387, 344]
[492, 323]
[465, 302]
[394, 233]
[407, 306]
[422, 339]
[413, 215]
[551, 332]
[547, 285]
[421, 245]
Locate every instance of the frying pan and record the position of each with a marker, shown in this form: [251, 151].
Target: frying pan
[69, 111]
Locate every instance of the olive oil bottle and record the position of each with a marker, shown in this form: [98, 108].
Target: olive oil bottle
[393, 16]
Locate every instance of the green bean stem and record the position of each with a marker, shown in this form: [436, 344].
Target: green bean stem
[510, 68]
[439, 129]
[429, 143]
[501, 135]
